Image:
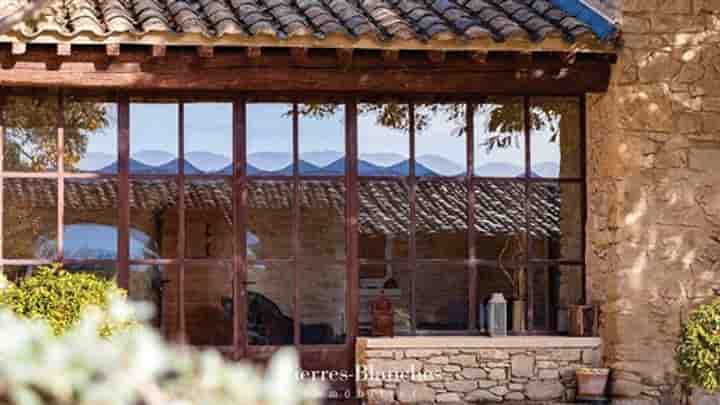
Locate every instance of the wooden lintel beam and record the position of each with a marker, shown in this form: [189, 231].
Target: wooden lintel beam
[112, 50]
[498, 78]
[18, 48]
[436, 57]
[344, 56]
[524, 59]
[253, 53]
[479, 57]
[390, 56]
[205, 52]
[159, 51]
[53, 63]
[64, 49]
[299, 55]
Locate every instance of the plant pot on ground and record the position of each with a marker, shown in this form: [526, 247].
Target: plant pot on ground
[592, 382]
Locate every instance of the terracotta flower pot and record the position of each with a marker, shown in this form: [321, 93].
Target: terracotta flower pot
[591, 382]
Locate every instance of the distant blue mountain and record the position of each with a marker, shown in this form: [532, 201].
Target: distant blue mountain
[136, 167]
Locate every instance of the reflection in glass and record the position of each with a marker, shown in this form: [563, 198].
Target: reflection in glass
[500, 220]
[441, 296]
[383, 139]
[208, 218]
[269, 222]
[440, 140]
[565, 288]
[16, 273]
[153, 212]
[31, 133]
[499, 140]
[394, 280]
[154, 139]
[322, 287]
[156, 285]
[90, 138]
[383, 219]
[322, 220]
[270, 304]
[30, 219]
[91, 219]
[441, 228]
[555, 137]
[209, 304]
[322, 140]
[208, 138]
[269, 139]
[556, 221]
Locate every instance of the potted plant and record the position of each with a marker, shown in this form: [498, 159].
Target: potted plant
[591, 382]
[698, 352]
[512, 263]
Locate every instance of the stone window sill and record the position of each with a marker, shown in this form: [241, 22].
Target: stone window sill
[479, 342]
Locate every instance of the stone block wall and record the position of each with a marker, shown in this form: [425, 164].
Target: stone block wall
[653, 231]
[480, 370]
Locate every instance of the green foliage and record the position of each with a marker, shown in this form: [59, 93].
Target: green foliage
[698, 354]
[59, 298]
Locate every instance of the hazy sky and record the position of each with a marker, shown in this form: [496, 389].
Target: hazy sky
[209, 129]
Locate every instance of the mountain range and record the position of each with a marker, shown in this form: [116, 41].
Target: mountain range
[311, 163]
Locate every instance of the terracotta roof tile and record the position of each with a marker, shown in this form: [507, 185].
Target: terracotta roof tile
[388, 20]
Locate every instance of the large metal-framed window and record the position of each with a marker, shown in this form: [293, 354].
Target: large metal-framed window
[52, 185]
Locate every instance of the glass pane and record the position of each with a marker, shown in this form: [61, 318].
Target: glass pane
[31, 134]
[208, 138]
[209, 304]
[322, 139]
[383, 139]
[555, 144]
[440, 140]
[30, 219]
[106, 270]
[441, 297]
[269, 139]
[441, 229]
[322, 220]
[91, 219]
[90, 137]
[153, 218]
[393, 281]
[322, 287]
[566, 285]
[556, 221]
[499, 140]
[500, 222]
[269, 223]
[270, 304]
[156, 285]
[208, 218]
[384, 219]
[154, 138]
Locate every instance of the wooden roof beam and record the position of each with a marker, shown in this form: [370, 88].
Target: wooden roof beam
[205, 52]
[253, 54]
[158, 51]
[18, 48]
[479, 57]
[436, 57]
[299, 55]
[391, 56]
[344, 56]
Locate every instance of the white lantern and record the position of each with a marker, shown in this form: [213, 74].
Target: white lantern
[497, 315]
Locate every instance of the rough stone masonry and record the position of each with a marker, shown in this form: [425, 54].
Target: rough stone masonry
[653, 227]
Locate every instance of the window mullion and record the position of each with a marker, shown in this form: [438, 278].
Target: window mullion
[180, 181]
[529, 277]
[472, 267]
[60, 120]
[123, 191]
[412, 184]
[296, 245]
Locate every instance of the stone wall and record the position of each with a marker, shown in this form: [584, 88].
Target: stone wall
[654, 190]
[472, 370]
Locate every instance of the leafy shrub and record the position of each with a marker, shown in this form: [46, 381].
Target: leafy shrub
[59, 297]
[139, 368]
[698, 354]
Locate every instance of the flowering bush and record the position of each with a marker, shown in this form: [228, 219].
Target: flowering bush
[698, 354]
[133, 367]
[59, 297]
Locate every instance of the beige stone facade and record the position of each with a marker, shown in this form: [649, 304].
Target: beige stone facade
[654, 190]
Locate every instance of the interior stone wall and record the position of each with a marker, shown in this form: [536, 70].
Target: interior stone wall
[654, 190]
